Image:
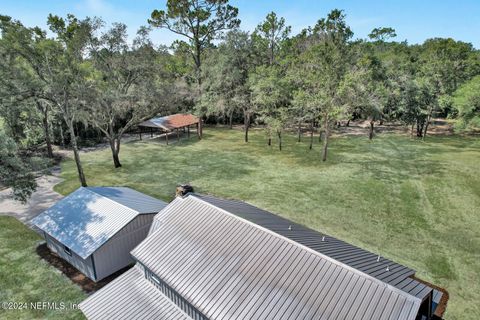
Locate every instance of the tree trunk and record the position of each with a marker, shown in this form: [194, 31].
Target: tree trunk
[420, 125]
[411, 130]
[73, 142]
[325, 140]
[279, 133]
[115, 147]
[246, 125]
[311, 137]
[348, 123]
[299, 131]
[269, 141]
[62, 137]
[370, 134]
[230, 120]
[425, 131]
[46, 128]
[427, 123]
[199, 128]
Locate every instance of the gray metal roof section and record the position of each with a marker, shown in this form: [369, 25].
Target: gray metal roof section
[130, 296]
[84, 220]
[154, 123]
[130, 198]
[230, 268]
[342, 251]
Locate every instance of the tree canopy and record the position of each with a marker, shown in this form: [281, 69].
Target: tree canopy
[87, 82]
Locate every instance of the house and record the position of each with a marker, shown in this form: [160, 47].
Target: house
[210, 258]
[95, 228]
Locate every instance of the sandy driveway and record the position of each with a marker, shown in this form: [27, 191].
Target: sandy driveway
[40, 200]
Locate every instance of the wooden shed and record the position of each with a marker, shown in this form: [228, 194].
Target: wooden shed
[95, 228]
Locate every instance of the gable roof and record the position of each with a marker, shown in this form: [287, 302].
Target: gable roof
[171, 122]
[88, 217]
[131, 296]
[131, 198]
[355, 257]
[228, 267]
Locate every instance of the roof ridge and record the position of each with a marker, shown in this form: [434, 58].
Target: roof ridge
[323, 256]
[111, 200]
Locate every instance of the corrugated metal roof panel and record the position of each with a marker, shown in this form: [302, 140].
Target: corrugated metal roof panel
[130, 296]
[339, 250]
[230, 268]
[84, 220]
[130, 198]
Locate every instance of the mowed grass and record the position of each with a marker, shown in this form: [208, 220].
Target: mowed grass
[25, 278]
[415, 202]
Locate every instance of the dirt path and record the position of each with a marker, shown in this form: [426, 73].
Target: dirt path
[43, 198]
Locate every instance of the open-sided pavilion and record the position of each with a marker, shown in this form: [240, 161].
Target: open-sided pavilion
[171, 123]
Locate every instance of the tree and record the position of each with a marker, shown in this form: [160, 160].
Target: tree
[57, 64]
[226, 71]
[363, 91]
[20, 91]
[14, 172]
[270, 35]
[271, 94]
[323, 65]
[199, 21]
[127, 89]
[444, 65]
[382, 34]
[466, 102]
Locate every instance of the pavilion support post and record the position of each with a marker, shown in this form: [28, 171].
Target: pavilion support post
[188, 132]
[140, 134]
[178, 135]
[151, 132]
[166, 137]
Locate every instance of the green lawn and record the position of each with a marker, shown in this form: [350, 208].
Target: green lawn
[25, 278]
[415, 202]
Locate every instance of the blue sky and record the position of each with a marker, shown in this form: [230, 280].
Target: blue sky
[414, 21]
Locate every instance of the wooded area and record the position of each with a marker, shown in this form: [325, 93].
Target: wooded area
[86, 82]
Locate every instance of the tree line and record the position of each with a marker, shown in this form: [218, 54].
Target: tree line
[87, 78]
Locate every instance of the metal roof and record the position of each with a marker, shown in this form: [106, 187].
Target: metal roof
[130, 198]
[360, 259]
[171, 122]
[228, 267]
[84, 220]
[130, 296]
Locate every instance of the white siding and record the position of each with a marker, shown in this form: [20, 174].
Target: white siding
[115, 253]
[83, 265]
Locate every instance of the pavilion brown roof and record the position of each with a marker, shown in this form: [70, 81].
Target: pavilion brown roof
[171, 122]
